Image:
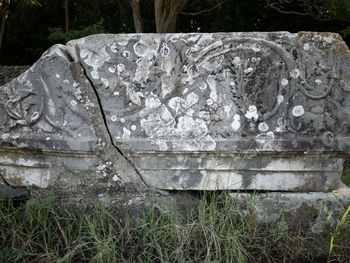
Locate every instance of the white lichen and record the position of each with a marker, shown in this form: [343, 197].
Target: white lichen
[248, 70]
[306, 46]
[203, 86]
[284, 82]
[105, 82]
[114, 118]
[280, 99]
[295, 73]
[281, 125]
[35, 116]
[236, 124]
[318, 81]
[126, 133]
[209, 102]
[165, 50]
[187, 133]
[252, 113]
[94, 74]
[192, 99]
[126, 54]
[112, 69]
[114, 48]
[123, 42]
[237, 117]
[263, 127]
[73, 103]
[328, 40]
[116, 178]
[5, 136]
[212, 86]
[146, 47]
[298, 111]
[237, 61]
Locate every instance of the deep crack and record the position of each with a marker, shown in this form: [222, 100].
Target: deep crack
[106, 125]
[4, 180]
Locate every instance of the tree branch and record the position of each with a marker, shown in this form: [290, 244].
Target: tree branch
[203, 11]
[290, 12]
[138, 20]
[309, 12]
[166, 13]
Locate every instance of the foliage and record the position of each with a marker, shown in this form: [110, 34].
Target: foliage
[318, 9]
[215, 232]
[57, 35]
[31, 29]
[342, 228]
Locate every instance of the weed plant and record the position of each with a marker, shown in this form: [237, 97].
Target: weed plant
[217, 231]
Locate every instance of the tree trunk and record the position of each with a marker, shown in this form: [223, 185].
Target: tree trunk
[66, 12]
[138, 21]
[166, 13]
[4, 12]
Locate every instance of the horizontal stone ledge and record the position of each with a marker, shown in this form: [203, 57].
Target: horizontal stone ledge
[246, 172]
[213, 162]
[242, 180]
[45, 152]
[241, 144]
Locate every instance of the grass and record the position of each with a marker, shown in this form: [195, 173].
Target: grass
[39, 231]
[342, 224]
[346, 173]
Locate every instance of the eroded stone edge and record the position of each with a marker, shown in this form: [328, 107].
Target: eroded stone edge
[128, 175]
[312, 211]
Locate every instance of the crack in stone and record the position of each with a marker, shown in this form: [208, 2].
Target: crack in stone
[107, 128]
[8, 191]
[4, 180]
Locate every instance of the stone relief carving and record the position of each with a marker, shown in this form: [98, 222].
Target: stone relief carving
[186, 111]
[186, 91]
[49, 106]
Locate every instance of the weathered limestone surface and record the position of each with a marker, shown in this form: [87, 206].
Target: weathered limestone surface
[53, 135]
[309, 212]
[249, 111]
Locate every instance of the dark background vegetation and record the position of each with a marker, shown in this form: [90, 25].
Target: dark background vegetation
[31, 29]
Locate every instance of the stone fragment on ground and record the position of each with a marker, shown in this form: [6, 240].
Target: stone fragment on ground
[110, 116]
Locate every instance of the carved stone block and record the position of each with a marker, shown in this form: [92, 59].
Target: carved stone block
[249, 111]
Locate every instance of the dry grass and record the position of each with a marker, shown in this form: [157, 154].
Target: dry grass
[37, 231]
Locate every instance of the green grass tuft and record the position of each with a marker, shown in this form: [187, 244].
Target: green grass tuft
[216, 231]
